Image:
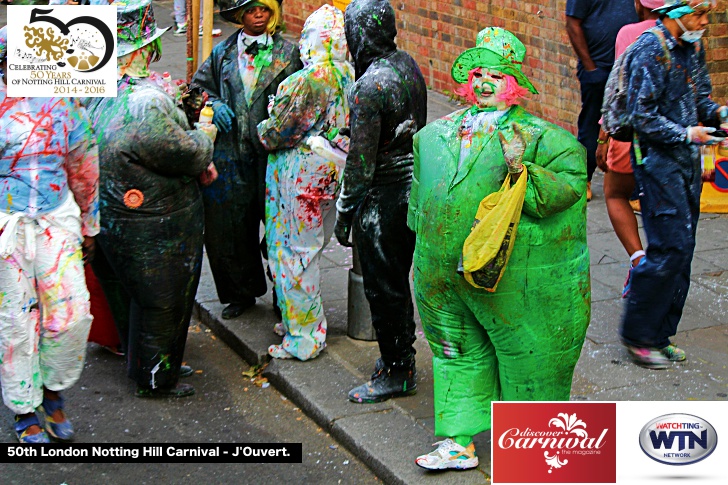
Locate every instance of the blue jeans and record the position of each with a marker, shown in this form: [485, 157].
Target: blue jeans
[592, 94]
[660, 282]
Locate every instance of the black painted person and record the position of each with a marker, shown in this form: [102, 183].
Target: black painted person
[151, 207]
[388, 105]
[239, 76]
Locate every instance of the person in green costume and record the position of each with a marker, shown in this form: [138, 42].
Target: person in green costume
[521, 342]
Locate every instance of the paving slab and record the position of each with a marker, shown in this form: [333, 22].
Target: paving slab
[389, 442]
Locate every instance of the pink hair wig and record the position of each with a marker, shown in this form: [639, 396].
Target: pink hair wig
[512, 94]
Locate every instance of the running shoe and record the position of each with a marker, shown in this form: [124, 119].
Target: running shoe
[648, 358]
[449, 455]
[674, 353]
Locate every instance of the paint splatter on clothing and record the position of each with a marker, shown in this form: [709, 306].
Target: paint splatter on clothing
[48, 161]
[388, 104]
[47, 150]
[663, 101]
[523, 341]
[235, 202]
[301, 185]
[152, 221]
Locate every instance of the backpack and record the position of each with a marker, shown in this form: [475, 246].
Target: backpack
[616, 121]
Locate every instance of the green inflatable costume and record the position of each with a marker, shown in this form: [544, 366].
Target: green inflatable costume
[523, 341]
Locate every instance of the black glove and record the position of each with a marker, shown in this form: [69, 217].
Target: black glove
[223, 117]
[342, 230]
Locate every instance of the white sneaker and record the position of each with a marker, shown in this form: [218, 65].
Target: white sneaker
[215, 32]
[449, 455]
[181, 30]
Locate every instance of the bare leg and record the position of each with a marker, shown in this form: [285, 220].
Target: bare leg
[618, 188]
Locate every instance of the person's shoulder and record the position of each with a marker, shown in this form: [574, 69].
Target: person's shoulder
[544, 130]
[283, 43]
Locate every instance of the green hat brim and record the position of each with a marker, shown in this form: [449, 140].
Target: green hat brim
[481, 57]
[123, 48]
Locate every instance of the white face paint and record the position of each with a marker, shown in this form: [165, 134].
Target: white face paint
[488, 86]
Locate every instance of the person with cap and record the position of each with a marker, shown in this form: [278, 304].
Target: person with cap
[522, 341]
[592, 26]
[388, 104]
[301, 185]
[152, 215]
[240, 75]
[668, 97]
[49, 217]
[613, 156]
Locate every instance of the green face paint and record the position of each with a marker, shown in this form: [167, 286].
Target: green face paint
[488, 86]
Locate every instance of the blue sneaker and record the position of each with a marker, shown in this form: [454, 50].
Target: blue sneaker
[63, 430]
[21, 428]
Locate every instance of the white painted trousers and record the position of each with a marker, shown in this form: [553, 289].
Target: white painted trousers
[44, 306]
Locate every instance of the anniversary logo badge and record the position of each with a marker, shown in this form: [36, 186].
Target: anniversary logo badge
[567, 442]
[61, 51]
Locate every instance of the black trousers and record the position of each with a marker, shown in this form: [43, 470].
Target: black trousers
[157, 259]
[233, 213]
[386, 246]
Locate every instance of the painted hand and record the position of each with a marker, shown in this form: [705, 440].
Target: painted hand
[700, 135]
[208, 129]
[223, 117]
[513, 150]
[342, 230]
[208, 176]
[723, 114]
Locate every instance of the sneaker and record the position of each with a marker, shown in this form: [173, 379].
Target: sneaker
[648, 358]
[673, 353]
[449, 455]
[60, 430]
[181, 30]
[386, 383]
[215, 32]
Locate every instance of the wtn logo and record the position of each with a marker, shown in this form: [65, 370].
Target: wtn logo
[666, 438]
[678, 439]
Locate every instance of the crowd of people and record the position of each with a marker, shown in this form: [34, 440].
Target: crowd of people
[134, 187]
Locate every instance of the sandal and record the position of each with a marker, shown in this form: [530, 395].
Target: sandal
[60, 430]
[22, 425]
[180, 390]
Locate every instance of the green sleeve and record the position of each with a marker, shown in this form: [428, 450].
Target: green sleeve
[556, 173]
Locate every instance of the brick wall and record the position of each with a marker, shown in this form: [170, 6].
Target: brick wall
[435, 32]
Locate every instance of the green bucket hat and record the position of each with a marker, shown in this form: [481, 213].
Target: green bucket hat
[496, 49]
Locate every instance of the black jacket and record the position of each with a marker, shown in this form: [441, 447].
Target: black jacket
[388, 103]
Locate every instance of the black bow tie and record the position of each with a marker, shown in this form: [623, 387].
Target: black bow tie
[253, 49]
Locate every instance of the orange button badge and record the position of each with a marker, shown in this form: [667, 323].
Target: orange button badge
[133, 198]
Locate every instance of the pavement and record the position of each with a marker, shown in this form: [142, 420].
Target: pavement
[388, 436]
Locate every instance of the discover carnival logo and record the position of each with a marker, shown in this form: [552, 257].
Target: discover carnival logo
[678, 439]
[574, 442]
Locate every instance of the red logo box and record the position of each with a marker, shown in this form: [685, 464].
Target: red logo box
[554, 442]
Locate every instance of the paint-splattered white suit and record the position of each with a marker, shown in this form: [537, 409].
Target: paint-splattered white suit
[300, 185]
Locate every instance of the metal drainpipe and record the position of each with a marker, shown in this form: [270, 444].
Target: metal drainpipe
[359, 316]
